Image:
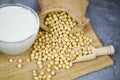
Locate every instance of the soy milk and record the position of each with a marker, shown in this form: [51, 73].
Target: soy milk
[18, 28]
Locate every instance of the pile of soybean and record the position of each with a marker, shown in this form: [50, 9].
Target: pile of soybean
[54, 50]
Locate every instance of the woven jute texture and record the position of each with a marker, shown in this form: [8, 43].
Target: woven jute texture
[8, 71]
[75, 8]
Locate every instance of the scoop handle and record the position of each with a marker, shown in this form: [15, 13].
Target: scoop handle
[105, 50]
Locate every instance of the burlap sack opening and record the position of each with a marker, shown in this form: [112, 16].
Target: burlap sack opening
[76, 12]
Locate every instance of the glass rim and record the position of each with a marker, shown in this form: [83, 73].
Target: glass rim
[34, 13]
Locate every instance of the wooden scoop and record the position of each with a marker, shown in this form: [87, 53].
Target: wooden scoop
[96, 52]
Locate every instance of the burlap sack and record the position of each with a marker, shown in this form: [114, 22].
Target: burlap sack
[75, 8]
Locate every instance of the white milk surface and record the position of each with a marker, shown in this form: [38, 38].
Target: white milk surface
[16, 23]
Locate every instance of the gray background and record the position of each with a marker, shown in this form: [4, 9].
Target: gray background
[105, 19]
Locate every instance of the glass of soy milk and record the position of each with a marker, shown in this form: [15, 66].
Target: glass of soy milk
[19, 25]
